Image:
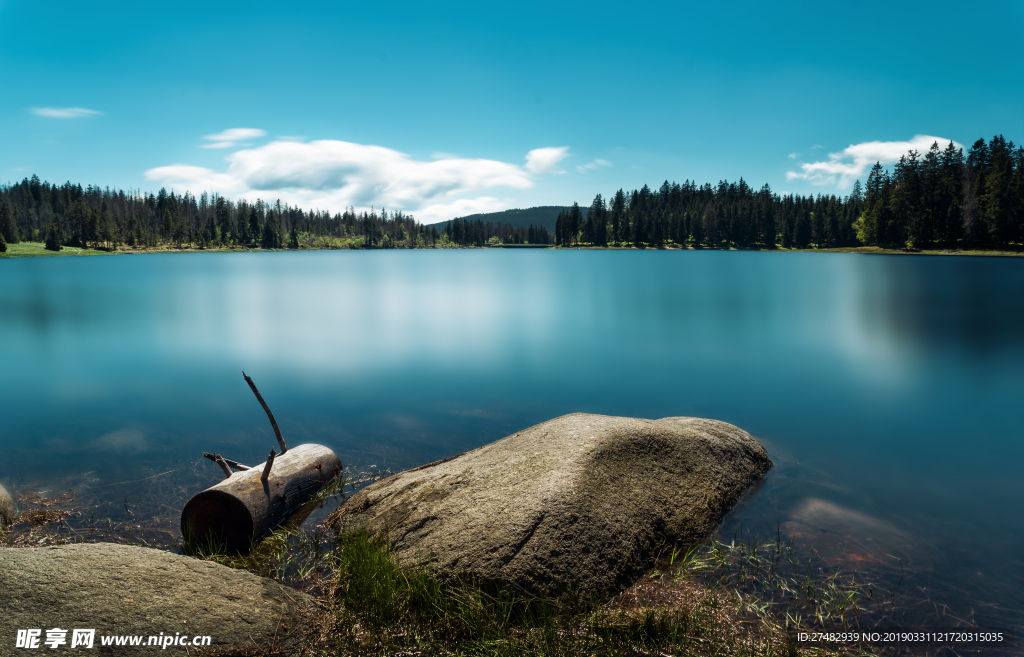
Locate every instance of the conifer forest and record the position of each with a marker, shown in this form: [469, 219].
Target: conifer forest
[942, 199]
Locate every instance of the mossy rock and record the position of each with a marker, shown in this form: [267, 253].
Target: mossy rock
[128, 590]
[582, 503]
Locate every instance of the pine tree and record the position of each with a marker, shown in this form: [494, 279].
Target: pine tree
[271, 238]
[35, 189]
[223, 217]
[857, 193]
[818, 223]
[240, 234]
[32, 226]
[8, 229]
[969, 210]
[53, 238]
[105, 232]
[711, 225]
[91, 232]
[657, 235]
[732, 224]
[575, 223]
[832, 234]
[950, 195]
[293, 238]
[618, 209]
[209, 231]
[3, 244]
[997, 194]
[872, 232]
[640, 228]
[697, 230]
[76, 222]
[598, 220]
[1018, 194]
[254, 225]
[167, 224]
[978, 157]
[766, 217]
[802, 230]
[907, 202]
[787, 222]
[588, 230]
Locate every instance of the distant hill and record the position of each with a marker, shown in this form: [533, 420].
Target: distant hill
[544, 215]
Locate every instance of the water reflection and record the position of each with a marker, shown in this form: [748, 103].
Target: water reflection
[886, 388]
[842, 534]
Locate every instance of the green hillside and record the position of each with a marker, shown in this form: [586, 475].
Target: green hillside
[544, 215]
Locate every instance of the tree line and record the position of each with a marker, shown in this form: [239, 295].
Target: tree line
[106, 219]
[477, 232]
[942, 199]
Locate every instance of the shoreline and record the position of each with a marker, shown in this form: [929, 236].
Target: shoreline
[37, 250]
[741, 597]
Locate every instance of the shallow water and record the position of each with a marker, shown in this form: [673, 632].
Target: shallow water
[887, 389]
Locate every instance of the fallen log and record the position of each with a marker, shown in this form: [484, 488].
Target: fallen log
[243, 507]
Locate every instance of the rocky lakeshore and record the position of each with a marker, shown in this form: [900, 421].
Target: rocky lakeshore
[583, 505]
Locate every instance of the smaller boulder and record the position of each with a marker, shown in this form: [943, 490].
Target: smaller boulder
[123, 590]
[8, 511]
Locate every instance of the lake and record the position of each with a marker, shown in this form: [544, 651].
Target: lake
[888, 390]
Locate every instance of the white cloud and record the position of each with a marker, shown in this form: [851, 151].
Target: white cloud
[544, 160]
[462, 207]
[64, 112]
[842, 168]
[816, 146]
[237, 134]
[793, 156]
[196, 179]
[233, 137]
[333, 175]
[590, 166]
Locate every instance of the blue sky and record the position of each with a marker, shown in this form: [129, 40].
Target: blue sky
[446, 109]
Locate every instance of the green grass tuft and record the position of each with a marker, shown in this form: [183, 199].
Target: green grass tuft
[377, 606]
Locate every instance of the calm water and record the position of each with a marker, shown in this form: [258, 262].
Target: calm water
[888, 390]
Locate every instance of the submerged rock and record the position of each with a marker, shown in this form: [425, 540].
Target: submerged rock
[581, 502]
[126, 590]
[7, 508]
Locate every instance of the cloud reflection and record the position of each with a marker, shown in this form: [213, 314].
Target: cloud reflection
[360, 311]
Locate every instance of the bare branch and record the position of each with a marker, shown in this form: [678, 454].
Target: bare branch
[266, 469]
[273, 422]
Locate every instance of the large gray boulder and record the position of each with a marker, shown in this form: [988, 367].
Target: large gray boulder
[127, 590]
[8, 510]
[582, 502]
